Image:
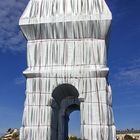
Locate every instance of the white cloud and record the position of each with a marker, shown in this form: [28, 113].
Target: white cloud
[10, 35]
[119, 10]
[128, 106]
[19, 80]
[129, 75]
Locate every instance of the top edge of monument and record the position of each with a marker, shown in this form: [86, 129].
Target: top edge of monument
[45, 11]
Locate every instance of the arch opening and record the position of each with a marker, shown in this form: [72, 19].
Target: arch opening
[73, 113]
[74, 124]
[66, 98]
[66, 121]
[64, 91]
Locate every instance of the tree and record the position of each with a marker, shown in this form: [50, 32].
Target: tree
[128, 137]
[73, 138]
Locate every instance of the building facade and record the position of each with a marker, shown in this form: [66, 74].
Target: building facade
[135, 134]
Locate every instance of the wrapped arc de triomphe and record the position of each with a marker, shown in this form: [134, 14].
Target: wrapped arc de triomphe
[67, 69]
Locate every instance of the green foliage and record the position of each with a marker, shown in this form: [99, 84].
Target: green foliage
[73, 138]
[128, 137]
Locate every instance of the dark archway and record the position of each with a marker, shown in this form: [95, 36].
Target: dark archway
[66, 97]
[64, 91]
[68, 105]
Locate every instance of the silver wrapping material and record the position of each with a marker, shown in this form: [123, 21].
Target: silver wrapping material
[67, 69]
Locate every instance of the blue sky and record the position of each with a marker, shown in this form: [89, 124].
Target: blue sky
[123, 60]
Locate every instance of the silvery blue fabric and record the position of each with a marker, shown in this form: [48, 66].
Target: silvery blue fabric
[67, 69]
